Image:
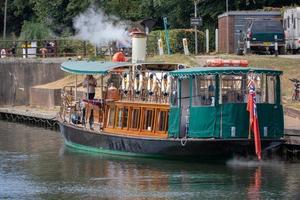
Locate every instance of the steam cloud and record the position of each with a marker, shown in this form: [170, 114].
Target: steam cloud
[93, 25]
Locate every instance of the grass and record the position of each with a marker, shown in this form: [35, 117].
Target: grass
[289, 66]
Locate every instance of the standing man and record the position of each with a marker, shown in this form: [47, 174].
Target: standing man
[90, 83]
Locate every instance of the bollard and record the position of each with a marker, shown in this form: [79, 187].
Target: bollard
[185, 46]
[217, 40]
[160, 47]
[26, 49]
[276, 46]
[207, 40]
[247, 46]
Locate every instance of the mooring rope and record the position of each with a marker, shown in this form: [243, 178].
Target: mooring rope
[183, 141]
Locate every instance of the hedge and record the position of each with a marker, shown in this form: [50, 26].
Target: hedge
[176, 36]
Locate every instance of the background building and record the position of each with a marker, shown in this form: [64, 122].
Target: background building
[234, 23]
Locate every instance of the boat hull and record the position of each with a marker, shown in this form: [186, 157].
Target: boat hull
[152, 147]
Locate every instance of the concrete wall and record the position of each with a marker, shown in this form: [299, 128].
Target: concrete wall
[18, 75]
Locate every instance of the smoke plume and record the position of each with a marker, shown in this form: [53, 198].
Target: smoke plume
[94, 26]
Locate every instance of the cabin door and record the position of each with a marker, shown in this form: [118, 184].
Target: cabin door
[184, 107]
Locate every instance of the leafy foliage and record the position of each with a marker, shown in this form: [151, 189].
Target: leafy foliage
[58, 14]
[34, 31]
[176, 36]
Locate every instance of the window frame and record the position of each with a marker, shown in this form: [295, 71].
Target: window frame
[241, 91]
[157, 121]
[193, 96]
[109, 115]
[139, 118]
[144, 119]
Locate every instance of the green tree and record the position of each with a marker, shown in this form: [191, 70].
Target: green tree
[52, 13]
[17, 12]
[34, 31]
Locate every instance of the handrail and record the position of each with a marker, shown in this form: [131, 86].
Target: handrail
[56, 47]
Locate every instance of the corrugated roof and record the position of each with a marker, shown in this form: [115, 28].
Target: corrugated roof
[184, 73]
[250, 12]
[98, 67]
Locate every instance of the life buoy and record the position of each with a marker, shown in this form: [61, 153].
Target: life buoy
[226, 63]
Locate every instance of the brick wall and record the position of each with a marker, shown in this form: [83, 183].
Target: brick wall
[223, 37]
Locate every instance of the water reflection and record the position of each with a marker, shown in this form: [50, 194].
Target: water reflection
[34, 164]
[255, 185]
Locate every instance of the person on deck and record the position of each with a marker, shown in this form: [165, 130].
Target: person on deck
[90, 83]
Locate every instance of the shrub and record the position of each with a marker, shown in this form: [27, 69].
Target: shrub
[34, 31]
[176, 36]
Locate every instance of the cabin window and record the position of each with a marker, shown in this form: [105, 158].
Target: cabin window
[135, 118]
[122, 118]
[204, 91]
[270, 90]
[265, 87]
[162, 121]
[148, 119]
[111, 116]
[125, 118]
[233, 89]
[174, 93]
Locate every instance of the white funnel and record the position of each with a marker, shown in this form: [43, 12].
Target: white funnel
[139, 40]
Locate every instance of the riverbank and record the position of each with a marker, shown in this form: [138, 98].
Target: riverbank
[35, 116]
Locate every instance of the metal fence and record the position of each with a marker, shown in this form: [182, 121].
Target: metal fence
[53, 48]
[72, 47]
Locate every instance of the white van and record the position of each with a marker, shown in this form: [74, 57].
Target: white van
[291, 24]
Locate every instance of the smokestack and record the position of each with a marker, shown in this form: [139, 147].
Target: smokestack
[139, 40]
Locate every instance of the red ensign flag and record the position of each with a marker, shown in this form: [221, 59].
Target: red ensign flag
[253, 118]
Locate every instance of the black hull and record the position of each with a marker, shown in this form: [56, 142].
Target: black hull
[149, 147]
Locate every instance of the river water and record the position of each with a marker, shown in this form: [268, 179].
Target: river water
[35, 164]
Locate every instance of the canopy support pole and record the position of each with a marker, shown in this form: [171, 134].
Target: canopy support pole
[101, 87]
[75, 87]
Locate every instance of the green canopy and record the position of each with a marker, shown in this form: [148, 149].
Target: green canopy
[194, 71]
[91, 67]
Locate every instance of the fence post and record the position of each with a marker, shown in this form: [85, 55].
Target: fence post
[276, 46]
[185, 46]
[160, 47]
[207, 40]
[84, 48]
[217, 40]
[26, 49]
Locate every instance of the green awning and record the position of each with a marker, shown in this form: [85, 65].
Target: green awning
[91, 67]
[196, 71]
